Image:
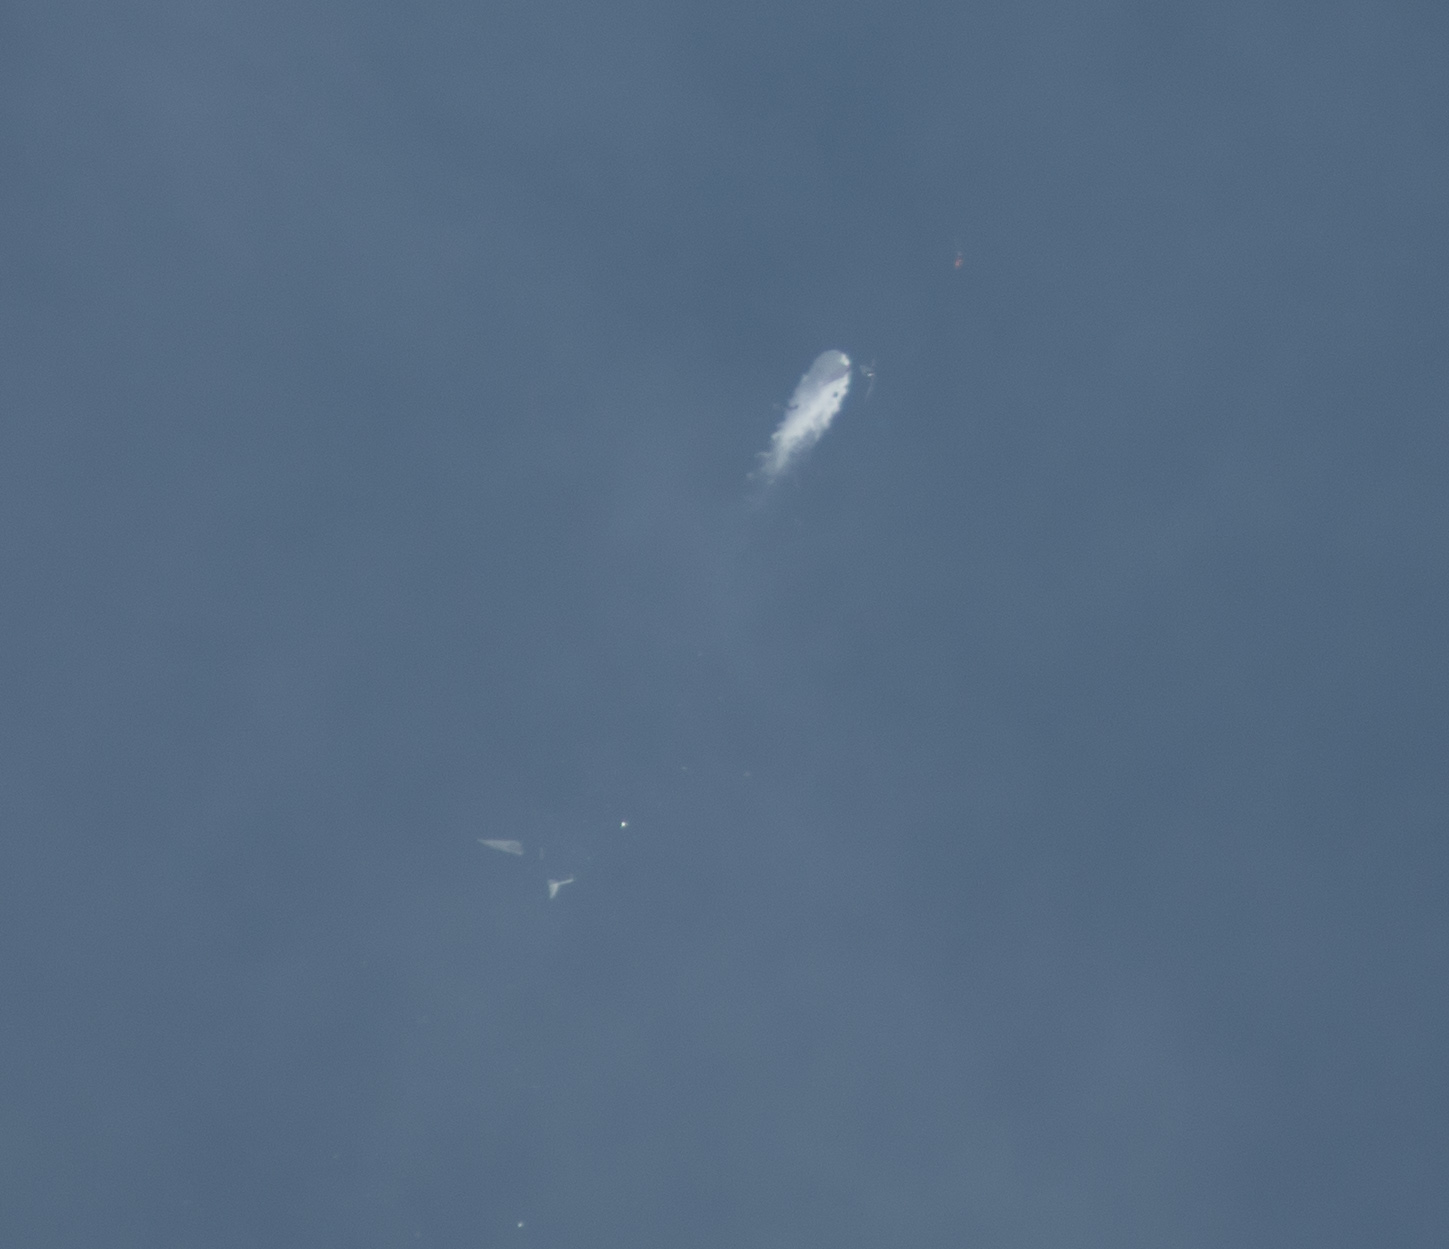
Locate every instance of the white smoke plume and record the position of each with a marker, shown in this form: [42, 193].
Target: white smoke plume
[812, 407]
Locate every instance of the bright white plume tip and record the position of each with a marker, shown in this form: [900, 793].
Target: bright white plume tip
[812, 407]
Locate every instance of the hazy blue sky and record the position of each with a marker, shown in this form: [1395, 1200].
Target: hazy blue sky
[1026, 826]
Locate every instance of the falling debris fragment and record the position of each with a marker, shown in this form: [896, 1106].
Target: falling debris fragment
[812, 407]
[555, 885]
[498, 843]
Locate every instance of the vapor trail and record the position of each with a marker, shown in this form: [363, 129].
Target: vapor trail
[812, 407]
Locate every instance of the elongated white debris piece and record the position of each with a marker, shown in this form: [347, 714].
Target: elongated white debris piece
[812, 407]
[555, 885]
[498, 843]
